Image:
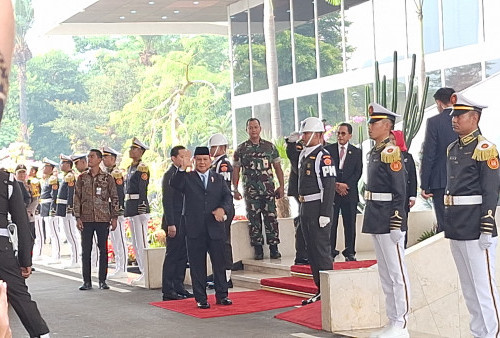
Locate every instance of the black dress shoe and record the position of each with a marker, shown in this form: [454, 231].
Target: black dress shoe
[311, 300]
[350, 258]
[224, 301]
[203, 305]
[86, 286]
[185, 294]
[103, 286]
[210, 285]
[301, 261]
[172, 295]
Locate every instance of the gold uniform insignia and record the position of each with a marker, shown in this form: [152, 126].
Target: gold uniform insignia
[485, 151]
[143, 168]
[391, 154]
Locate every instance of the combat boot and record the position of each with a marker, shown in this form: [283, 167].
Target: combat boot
[259, 253]
[274, 253]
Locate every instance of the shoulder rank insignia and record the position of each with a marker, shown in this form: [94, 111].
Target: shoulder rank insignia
[143, 168]
[117, 174]
[223, 167]
[485, 151]
[69, 177]
[53, 180]
[391, 154]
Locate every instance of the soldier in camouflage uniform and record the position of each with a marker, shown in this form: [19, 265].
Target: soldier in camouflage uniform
[257, 158]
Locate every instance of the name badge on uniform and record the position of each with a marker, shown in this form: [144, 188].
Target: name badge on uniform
[98, 191]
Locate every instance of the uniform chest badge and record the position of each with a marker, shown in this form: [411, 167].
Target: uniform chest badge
[223, 167]
[396, 166]
[309, 165]
[493, 163]
[308, 172]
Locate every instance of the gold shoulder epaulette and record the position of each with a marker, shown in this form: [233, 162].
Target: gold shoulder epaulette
[70, 177]
[485, 150]
[390, 154]
[117, 173]
[53, 180]
[143, 168]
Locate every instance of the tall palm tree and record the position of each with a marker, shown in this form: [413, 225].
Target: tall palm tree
[24, 15]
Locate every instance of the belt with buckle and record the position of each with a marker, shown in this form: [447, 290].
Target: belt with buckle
[309, 198]
[61, 201]
[378, 196]
[463, 200]
[131, 197]
[46, 200]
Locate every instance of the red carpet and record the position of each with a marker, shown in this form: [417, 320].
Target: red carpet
[336, 266]
[243, 302]
[291, 283]
[309, 315]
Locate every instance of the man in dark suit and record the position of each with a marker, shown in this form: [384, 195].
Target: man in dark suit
[174, 265]
[348, 160]
[438, 135]
[207, 202]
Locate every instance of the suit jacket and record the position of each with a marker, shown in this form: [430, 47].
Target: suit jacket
[173, 201]
[199, 203]
[438, 136]
[351, 171]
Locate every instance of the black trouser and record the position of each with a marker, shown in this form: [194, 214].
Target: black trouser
[228, 248]
[102, 231]
[348, 210]
[17, 291]
[198, 248]
[300, 243]
[174, 265]
[438, 200]
[317, 239]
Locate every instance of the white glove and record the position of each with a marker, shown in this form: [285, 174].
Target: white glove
[485, 241]
[293, 137]
[323, 221]
[396, 235]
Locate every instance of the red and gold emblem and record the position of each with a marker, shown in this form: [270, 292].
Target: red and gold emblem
[144, 176]
[396, 166]
[72, 183]
[493, 163]
[223, 167]
[327, 161]
[55, 187]
[120, 181]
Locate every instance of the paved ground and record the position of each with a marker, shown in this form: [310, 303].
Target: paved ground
[124, 311]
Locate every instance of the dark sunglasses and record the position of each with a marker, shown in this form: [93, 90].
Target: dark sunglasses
[342, 133]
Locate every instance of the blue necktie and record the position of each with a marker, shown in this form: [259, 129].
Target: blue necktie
[204, 180]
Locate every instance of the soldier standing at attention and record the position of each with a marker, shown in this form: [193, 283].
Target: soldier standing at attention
[118, 238]
[64, 210]
[257, 158]
[136, 202]
[50, 186]
[221, 165]
[35, 189]
[470, 203]
[316, 194]
[385, 219]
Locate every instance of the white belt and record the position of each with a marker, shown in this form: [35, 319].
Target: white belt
[378, 196]
[46, 200]
[4, 232]
[131, 197]
[463, 200]
[60, 201]
[309, 198]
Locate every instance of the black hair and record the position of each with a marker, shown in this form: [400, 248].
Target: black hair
[175, 150]
[252, 119]
[444, 94]
[97, 152]
[345, 124]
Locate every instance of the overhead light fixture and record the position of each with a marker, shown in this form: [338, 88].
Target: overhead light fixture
[151, 2]
[176, 12]
[164, 17]
[196, 2]
[122, 18]
[133, 12]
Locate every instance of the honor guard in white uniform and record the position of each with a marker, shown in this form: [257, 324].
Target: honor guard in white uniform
[316, 188]
[221, 165]
[50, 187]
[136, 202]
[118, 237]
[36, 189]
[385, 218]
[64, 210]
[470, 200]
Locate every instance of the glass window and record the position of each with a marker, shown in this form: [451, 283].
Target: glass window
[283, 41]
[333, 106]
[307, 106]
[401, 95]
[460, 23]
[356, 101]
[491, 22]
[358, 34]
[287, 117]
[431, 26]
[492, 67]
[241, 116]
[259, 71]
[305, 43]
[330, 39]
[462, 77]
[434, 85]
[390, 35]
[241, 63]
[263, 113]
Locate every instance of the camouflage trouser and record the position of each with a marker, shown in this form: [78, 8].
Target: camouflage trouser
[258, 208]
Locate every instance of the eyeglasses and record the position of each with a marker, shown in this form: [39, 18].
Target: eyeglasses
[342, 133]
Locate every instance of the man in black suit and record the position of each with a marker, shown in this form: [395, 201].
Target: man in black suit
[174, 265]
[348, 160]
[438, 135]
[207, 202]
